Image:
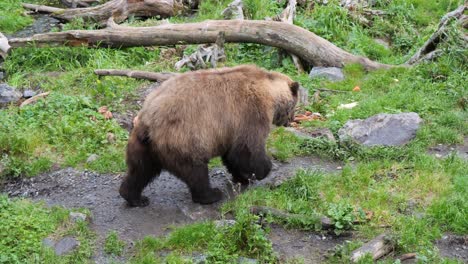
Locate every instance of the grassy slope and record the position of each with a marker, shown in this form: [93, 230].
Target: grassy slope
[418, 195]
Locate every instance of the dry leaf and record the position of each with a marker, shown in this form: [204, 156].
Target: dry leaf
[102, 109]
[356, 89]
[108, 115]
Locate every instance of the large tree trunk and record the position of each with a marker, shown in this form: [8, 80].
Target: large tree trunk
[118, 9]
[306, 45]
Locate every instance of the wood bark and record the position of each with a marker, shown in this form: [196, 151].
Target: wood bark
[377, 248]
[152, 76]
[118, 9]
[306, 45]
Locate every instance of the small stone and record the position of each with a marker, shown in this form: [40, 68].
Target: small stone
[66, 245]
[28, 94]
[224, 223]
[330, 73]
[8, 94]
[92, 158]
[437, 155]
[339, 168]
[48, 242]
[244, 260]
[77, 217]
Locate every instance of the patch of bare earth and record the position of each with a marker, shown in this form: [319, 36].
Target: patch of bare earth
[170, 200]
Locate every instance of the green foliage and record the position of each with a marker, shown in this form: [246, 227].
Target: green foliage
[261, 9]
[222, 245]
[11, 16]
[25, 224]
[31, 137]
[113, 245]
[245, 238]
[342, 216]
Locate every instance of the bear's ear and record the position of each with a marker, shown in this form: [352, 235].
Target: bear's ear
[294, 88]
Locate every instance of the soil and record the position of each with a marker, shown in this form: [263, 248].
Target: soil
[454, 247]
[442, 151]
[309, 247]
[170, 202]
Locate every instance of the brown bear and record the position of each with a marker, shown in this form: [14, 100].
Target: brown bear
[199, 115]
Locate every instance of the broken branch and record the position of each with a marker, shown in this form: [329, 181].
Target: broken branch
[34, 99]
[377, 248]
[152, 76]
[428, 50]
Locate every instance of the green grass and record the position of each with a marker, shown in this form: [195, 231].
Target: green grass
[419, 196]
[25, 224]
[11, 18]
[220, 245]
[113, 245]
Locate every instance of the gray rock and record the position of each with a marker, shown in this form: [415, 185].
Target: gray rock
[76, 217]
[66, 245]
[8, 94]
[2, 75]
[318, 133]
[29, 93]
[244, 260]
[382, 129]
[234, 11]
[331, 73]
[92, 158]
[48, 242]
[224, 223]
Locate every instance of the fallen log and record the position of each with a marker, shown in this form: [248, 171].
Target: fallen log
[377, 248]
[306, 45]
[152, 76]
[120, 10]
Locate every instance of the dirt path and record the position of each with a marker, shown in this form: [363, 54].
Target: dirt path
[170, 205]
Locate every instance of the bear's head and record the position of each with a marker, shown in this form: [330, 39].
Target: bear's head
[285, 94]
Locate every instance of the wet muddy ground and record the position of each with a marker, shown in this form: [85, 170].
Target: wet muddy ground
[170, 205]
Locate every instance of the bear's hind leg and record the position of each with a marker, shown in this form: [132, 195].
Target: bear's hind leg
[197, 179]
[243, 163]
[141, 169]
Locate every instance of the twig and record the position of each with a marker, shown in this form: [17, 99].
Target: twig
[407, 256]
[329, 90]
[152, 76]
[34, 99]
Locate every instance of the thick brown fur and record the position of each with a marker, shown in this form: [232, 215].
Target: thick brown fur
[199, 115]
